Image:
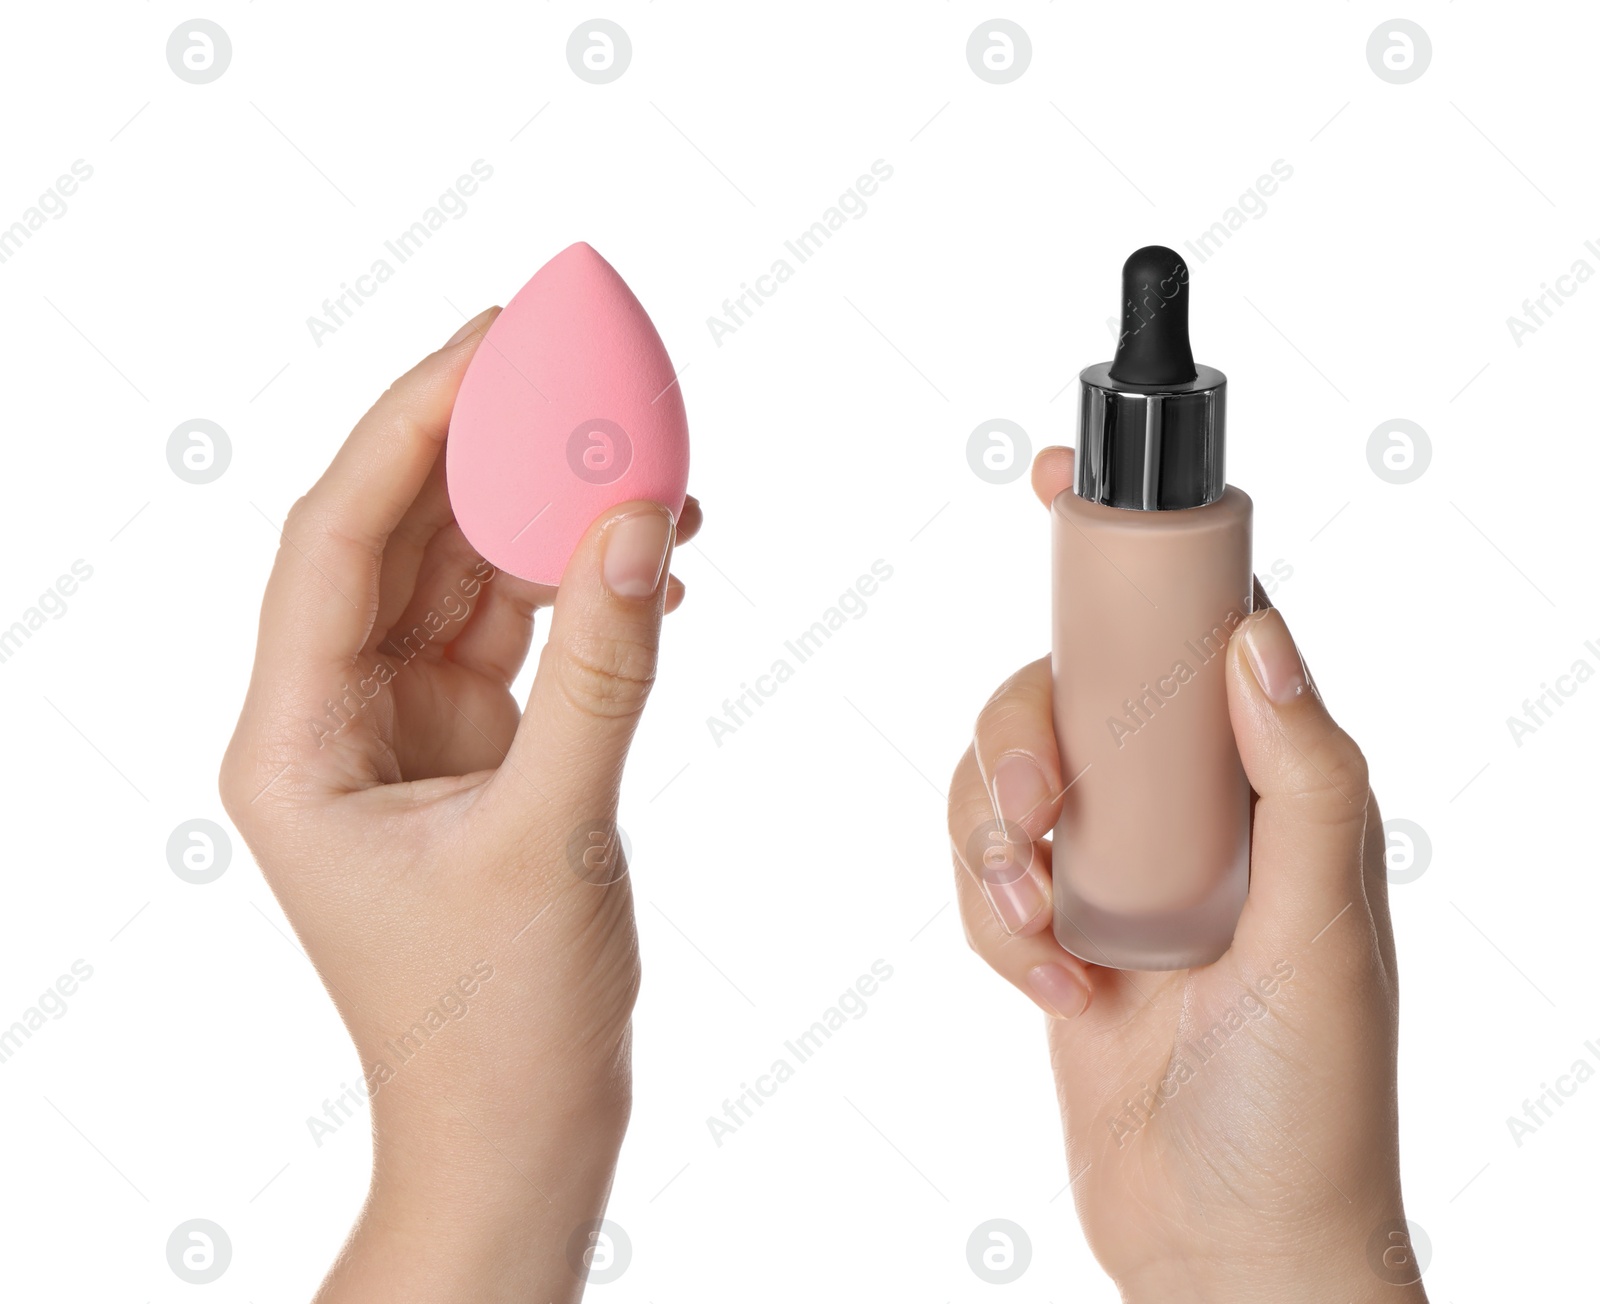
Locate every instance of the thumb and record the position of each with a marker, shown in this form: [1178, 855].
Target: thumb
[1311, 781]
[598, 665]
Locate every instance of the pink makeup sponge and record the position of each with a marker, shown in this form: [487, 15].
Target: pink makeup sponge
[568, 408]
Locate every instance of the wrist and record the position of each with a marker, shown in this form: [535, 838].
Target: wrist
[475, 1159]
[462, 1132]
[470, 1208]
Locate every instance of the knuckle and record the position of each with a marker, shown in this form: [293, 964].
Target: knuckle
[1347, 765]
[239, 803]
[608, 678]
[235, 777]
[305, 527]
[1016, 709]
[264, 782]
[1336, 776]
[1002, 705]
[312, 522]
[229, 788]
[300, 519]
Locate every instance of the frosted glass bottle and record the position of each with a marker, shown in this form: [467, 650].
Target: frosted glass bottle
[1152, 851]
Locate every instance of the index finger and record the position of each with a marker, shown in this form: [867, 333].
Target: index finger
[1052, 472]
[322, 596]
[1014, 743]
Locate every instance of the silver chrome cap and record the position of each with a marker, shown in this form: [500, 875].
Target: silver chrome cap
[1152, 448]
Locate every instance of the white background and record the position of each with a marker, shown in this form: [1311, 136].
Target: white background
[828, 433]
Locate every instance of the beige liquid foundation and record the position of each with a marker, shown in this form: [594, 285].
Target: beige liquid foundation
[1151, 575]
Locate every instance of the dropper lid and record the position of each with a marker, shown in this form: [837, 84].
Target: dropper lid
[1150, 423]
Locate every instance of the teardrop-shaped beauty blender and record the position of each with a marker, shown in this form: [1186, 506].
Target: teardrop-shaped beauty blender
[568, 408]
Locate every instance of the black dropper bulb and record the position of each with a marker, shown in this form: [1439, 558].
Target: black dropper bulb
[1154, 346]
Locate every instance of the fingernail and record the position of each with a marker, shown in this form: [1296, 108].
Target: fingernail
[1273, 657]
[635, 553]
[467, 329]
[1058, 991]
[1016, 901]
[1019, 788]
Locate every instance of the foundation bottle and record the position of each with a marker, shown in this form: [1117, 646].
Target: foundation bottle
[1151, 575]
